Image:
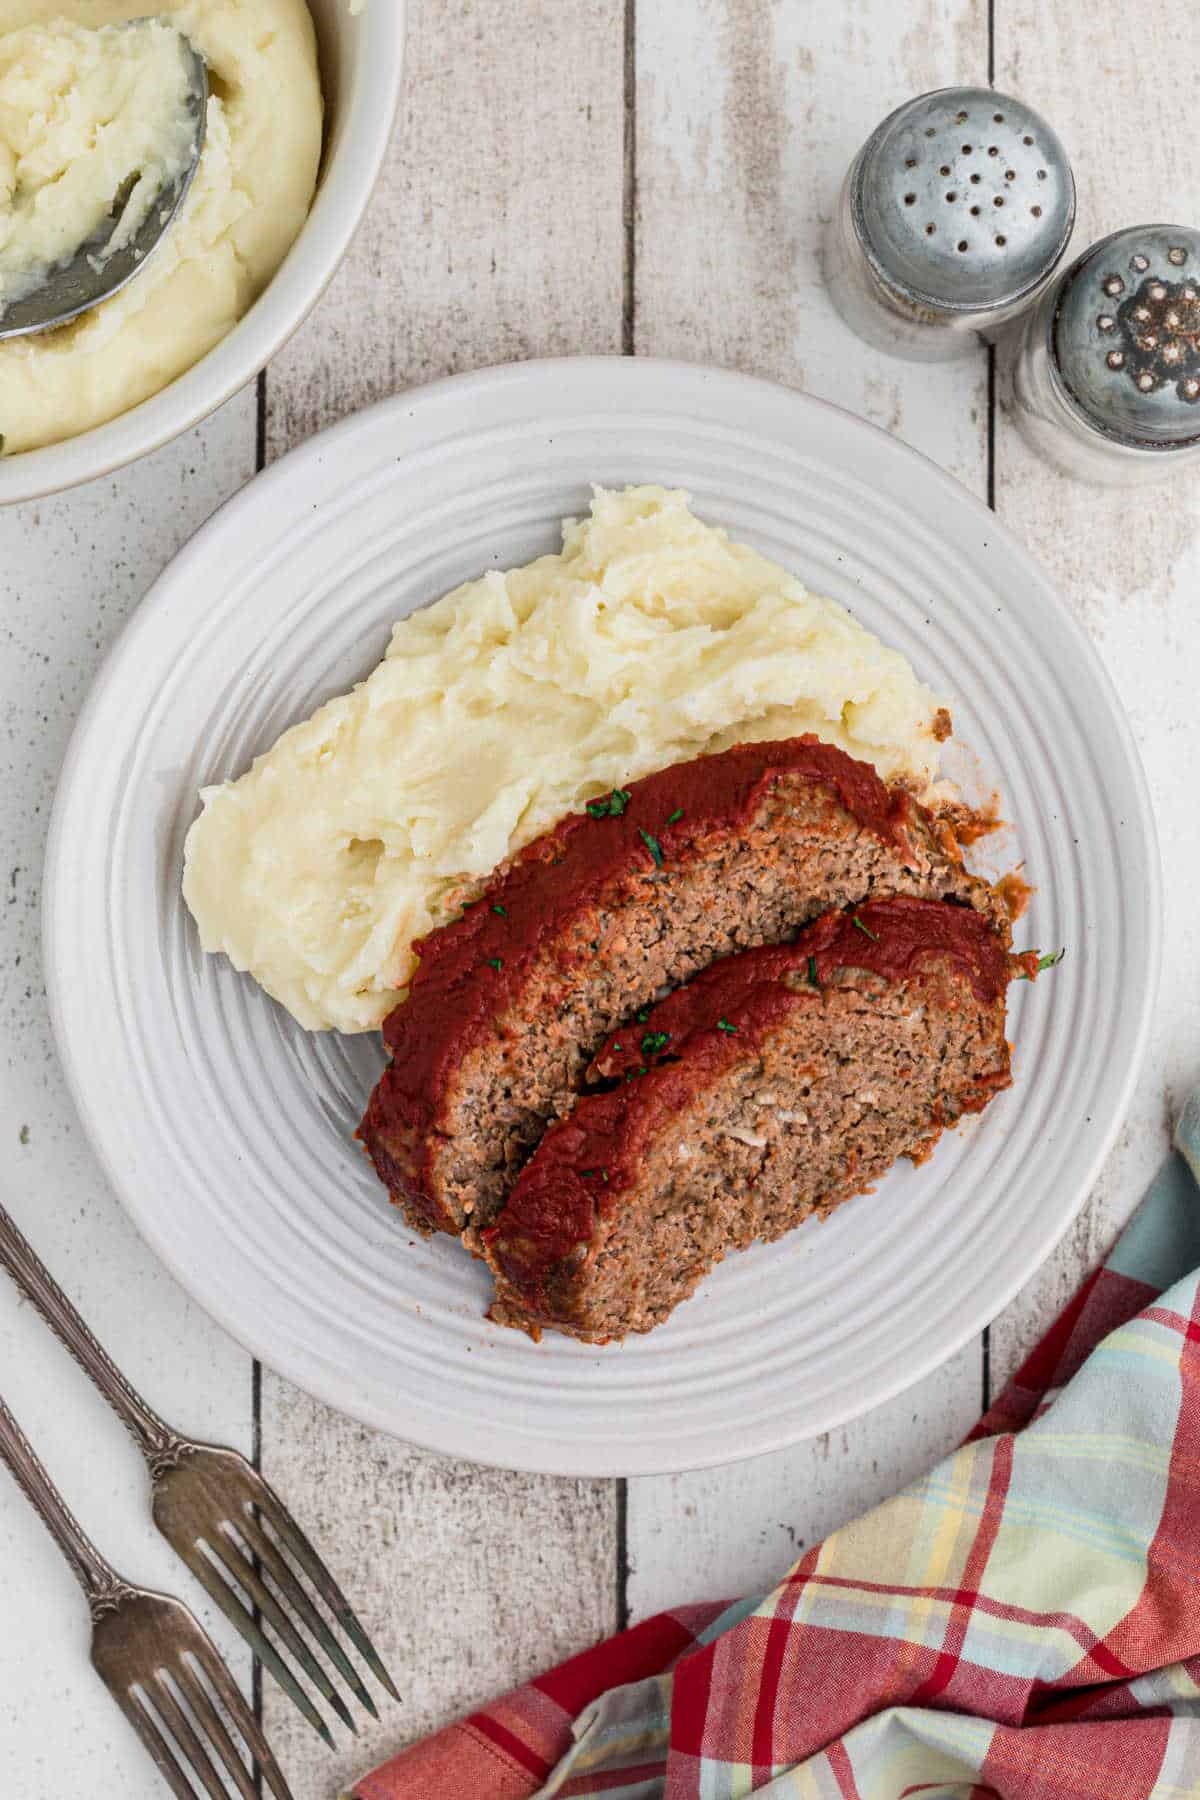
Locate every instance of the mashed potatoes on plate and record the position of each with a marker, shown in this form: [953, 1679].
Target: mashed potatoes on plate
[251, 195]
[650, 638]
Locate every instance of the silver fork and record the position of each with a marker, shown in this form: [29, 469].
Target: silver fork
[216, 1511]
[151, 1654]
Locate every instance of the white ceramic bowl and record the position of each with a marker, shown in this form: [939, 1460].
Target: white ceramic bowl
[361, 57]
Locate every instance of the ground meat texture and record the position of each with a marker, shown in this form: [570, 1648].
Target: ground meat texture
[601, 915]
[795, 1076]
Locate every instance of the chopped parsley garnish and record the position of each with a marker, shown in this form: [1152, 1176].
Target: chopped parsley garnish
[724, 1025]
[610, 806]
[1044, 962]
[502, 910]
[590, 1174]
[873, 935]
[677, 814]
[495, 962]
[616, 1046]
[632, 1074]
[812, 972]
[653, 846]
[654, 1041]
[642, 1014]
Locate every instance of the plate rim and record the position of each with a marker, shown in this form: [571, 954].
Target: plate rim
[583, 1459]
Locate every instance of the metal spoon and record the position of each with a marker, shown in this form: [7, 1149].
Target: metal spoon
[88, 278]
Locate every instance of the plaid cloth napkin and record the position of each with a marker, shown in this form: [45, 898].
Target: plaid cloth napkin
[1023, 1622]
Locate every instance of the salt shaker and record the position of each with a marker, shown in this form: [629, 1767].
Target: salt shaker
[952, 218]
[1105, 372]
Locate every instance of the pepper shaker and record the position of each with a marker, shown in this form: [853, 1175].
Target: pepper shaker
[952, 218]
[1105, 372]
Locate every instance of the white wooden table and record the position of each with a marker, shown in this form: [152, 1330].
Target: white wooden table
[639, 176]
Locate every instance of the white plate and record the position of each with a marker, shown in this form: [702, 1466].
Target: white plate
[227, 1130]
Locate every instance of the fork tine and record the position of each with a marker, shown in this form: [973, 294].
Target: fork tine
[286, 1528]
[213, 1726]
[243, 1621]
[230, 1696]
[244, 1572]
[283, 1577]
[155, 1743]
[181, 1730]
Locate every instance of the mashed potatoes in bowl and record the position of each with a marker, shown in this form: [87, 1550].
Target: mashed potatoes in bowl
[85, 115]
[650, 638]
[258, 50]
[250, 197]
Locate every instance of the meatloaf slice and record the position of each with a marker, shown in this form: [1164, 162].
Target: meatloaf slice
[596, 918]
[789, 1078]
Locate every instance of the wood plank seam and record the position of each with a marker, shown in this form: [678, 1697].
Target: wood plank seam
[260, 431]
[629, 160]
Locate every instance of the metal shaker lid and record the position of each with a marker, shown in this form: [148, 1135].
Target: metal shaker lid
[963, 199]
[1126, 335]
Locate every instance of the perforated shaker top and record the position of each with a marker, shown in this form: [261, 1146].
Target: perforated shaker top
[1127, 334]
[964, 199]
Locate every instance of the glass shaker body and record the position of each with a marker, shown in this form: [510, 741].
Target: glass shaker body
[952, 218]
[1103, 377]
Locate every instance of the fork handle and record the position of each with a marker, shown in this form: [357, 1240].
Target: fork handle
[98, 1579]
[160, 1446]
